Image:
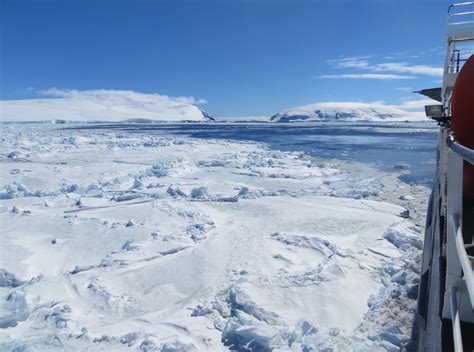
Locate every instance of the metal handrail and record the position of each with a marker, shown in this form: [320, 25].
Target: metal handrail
[456, 321]
[462, 13]
[461, 265]
[463, 257]
[462, 23]
[468, 15]
[466, 153]
[460, 4]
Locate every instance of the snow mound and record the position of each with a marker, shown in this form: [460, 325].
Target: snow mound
[16, 189]
[346, 111]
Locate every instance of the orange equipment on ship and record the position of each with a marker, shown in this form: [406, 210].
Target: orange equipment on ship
[462, 121]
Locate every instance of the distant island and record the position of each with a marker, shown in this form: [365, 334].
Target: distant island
[346, 111]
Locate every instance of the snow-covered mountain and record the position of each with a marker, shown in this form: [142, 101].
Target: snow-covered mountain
[347, 111]
[103, 105]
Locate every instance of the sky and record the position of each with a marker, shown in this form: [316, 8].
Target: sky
[232, 58]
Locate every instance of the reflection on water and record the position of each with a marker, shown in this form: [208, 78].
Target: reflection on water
[388, 146]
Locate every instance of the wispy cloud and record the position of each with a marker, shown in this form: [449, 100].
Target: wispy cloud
[101, 105]
[375, 68]
[407, 68]
[404, 89]
[109, 93]
[351, 62]
[380, 76]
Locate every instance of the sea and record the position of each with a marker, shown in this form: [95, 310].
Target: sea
[406, 148]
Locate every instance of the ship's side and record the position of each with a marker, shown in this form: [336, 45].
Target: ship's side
[445, 317]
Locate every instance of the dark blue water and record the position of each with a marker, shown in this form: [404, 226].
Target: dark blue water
[406, 148]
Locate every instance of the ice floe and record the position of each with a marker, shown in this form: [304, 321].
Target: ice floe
[150, 242]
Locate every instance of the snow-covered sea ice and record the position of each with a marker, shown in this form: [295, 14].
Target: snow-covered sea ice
[136, 241]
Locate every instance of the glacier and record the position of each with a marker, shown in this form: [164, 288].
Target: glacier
[69, 105]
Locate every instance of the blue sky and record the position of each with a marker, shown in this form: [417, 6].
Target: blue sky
[243, 57]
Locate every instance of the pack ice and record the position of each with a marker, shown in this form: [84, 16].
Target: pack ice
[115, 240]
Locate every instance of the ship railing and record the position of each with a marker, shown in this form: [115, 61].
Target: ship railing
[459, 37]
[461, 15]
[459, 298]
[466, 153]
